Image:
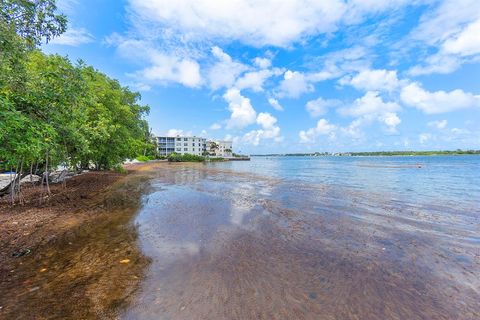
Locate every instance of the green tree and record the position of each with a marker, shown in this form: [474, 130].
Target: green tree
[33, 20]
[53, 111]
[114, 119]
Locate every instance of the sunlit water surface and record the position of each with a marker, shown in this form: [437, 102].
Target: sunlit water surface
[312, 238]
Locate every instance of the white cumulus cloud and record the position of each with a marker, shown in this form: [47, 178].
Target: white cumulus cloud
[258, 23]
[465, 43]
[368, 109]
[254, 80]
[439, 101]
[323, 127]
[225, 71]
[168, 68]
[269, 130]
[162, 67]
[320, 106]
[390, 120]
[294, 84]
[452, 28]
[377, 80]
[370, 103]
[269, 22]
[241, 108]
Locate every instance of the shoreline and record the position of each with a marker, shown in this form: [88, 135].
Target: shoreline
[64, 244]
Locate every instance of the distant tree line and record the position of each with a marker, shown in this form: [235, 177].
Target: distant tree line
[415, 153]
[374, 153]
[53, 111]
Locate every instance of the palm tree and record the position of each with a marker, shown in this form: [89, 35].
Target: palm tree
[214, 147]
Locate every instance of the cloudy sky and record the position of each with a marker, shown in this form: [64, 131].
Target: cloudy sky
[290, 76]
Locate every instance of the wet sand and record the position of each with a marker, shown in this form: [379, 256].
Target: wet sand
[209, 243]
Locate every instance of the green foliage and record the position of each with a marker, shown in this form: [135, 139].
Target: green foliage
[216, 159]
[114, 123]
[144, 158]
[33, 20]
[13, 53]
[175, 157]
[53, 111]
[75, 113]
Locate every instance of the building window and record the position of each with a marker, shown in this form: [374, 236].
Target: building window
[185, 139]
[185, 144]
[185, 149]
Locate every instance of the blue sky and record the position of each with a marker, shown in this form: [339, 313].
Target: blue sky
[292, 76]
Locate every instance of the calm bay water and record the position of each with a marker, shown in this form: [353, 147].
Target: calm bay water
[273, 238]
[454, 179]
[312, 238]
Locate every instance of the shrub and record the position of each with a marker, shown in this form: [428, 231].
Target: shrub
[175, 157]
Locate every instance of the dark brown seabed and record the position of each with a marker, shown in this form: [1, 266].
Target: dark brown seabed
[224, 245]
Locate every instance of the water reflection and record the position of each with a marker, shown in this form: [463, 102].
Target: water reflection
[241, 246]
[226, 244]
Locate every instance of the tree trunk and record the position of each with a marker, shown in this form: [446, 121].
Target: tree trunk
[46, 174]
[31, 173]
[20, 197]
[12, 185]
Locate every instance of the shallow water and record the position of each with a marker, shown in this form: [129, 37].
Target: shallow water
[365, 238]
[82, 274]
[273, 238]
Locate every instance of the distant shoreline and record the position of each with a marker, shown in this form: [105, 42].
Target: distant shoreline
[374, 154]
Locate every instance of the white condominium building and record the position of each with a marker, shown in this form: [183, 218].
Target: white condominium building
[194, 145]
[220, 148]
[182, 145]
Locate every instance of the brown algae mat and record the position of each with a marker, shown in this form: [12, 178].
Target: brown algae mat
[74, 255]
